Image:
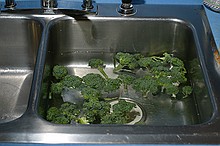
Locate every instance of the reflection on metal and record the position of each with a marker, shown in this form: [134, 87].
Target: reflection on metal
[39, 41]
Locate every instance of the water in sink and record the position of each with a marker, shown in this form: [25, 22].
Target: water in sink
[73, 42]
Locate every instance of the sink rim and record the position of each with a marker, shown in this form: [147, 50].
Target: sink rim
[36, 130]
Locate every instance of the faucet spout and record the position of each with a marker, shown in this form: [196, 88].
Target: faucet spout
[10, 4]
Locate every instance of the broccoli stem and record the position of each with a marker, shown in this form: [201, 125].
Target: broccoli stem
[118, 68]
[101, 70]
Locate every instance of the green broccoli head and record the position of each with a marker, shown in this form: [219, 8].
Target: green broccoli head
[63, 115]
[93, 110]
[70, 111]
[72, 81]
[59, 72]
[91, 93]
[95, 63]
[114, 118]
[52, 113]
[123, 106]
[99, 64]
[56, 88]
[146, 85]
[93, 80]
[120, 113]
[186, 90]
[172, 90]
[61, 120]
[112, 85]
[125, 60]
[126, 79]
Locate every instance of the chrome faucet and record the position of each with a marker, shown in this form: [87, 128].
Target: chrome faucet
[47, 4]
[86, 5]
[10, 4]
[126, 8]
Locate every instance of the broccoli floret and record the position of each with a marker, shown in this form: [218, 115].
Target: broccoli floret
[63, 115]
[72, 81]
[95, 81]
[99, 64]
[126, 79]
[125, 60]
[113, 118]
[120, 113]
[145, 62]
[90, 93]
[59, 72]
[93, 110]
[61, 120]
[112, 85]
[186, 90]
[69, 110]
[56, 88]
[52, 113]
[145, 85]
[171, 89]
[123, 106]
[82, 120]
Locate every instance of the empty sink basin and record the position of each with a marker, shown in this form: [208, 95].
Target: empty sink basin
[19, 42]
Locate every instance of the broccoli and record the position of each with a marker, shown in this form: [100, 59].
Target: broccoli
[112, 85]
[123, 106]
[90, 93]
[56, 88]
[125, 60]
[72, 81]
[82, 120]
[168, 71]
[61, 120]
[69, 110]
[113, 118]
[95, 81]
[126, 79]
[93, 110]
[52, 113]
[186, 90]
[145, 85]
[120, 113]
[99, 64]
[63, 115]
[59, 72]
[171, 89]
[155, 61]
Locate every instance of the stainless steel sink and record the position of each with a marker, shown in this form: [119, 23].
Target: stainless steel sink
[71, 41]
[19, 42]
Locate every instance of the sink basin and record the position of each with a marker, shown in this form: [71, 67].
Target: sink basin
[19, 42]
[72, 43]
[27, 63]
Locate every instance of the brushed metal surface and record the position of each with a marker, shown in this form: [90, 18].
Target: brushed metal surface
[19, 42]
[178, 29]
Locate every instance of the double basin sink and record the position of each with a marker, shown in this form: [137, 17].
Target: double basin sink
[31, 44]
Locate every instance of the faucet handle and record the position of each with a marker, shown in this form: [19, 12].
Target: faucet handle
[126, 8]
[87, 4]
